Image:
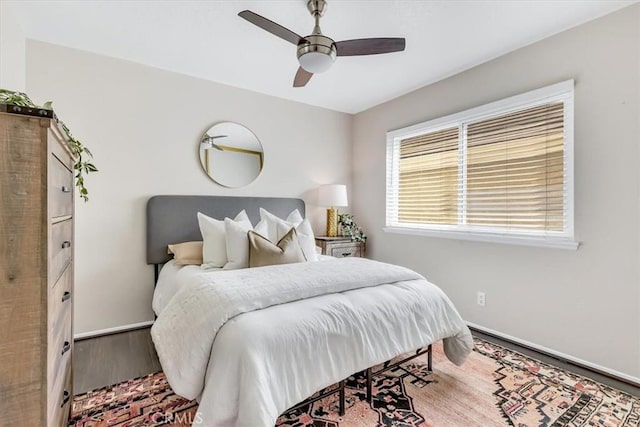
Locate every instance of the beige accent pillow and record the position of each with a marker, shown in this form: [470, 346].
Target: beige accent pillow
[187, 253]
[262, 252]
[305, 237]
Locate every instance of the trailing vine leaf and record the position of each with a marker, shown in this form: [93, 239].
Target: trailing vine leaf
[15, 98]
[82, 154]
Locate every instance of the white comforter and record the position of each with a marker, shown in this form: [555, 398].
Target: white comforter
[291, 330]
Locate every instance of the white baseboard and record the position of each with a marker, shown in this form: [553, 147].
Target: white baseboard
[542, 349]
[123, 328]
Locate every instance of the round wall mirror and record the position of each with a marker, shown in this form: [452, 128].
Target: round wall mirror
[231, 154]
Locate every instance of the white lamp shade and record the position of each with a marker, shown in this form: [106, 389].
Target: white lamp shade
[332, 195]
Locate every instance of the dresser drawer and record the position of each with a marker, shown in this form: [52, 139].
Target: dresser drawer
[59, 400]
[59, 347]
[59, 302]
[60, 248]
[59, 148]
[341, 247]
[342, 251]
[60, 188]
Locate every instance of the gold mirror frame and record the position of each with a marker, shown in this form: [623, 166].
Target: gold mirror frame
[231, 154]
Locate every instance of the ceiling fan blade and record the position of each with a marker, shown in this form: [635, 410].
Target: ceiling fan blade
[270, 26]
[302, 77]
[369, 46]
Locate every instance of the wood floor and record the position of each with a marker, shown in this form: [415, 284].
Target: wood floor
[110, 359]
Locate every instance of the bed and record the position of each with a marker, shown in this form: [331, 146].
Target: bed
[251, 343]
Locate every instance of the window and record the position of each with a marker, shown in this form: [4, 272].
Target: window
[500, 172]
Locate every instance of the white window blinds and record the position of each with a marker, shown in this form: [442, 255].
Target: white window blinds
[505, 171]
[515, 170]
[428, 178]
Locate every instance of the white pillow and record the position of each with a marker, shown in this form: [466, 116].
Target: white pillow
[237, 244]
[262, 228]
[214, 244]
[272, 222]
[306, 239]
[295, 217]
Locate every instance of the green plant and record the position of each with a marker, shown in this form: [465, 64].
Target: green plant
[83, 156]
[349, 228]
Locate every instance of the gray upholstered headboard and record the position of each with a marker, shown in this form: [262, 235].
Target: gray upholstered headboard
[172, 219]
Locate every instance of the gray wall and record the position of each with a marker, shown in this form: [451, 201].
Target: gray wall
[584, 303]
[143, 126]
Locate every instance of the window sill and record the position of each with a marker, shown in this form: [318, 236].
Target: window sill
[545, 242]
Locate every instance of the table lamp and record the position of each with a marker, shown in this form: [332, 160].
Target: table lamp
[332, 195]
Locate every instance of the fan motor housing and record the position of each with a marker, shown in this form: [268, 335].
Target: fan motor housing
[316, 53]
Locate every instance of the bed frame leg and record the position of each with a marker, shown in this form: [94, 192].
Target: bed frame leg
[342, 398]
[369, 381]
[430, 358]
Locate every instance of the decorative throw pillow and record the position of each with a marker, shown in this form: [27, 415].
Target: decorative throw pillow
[262, 228]
[277, 227]
[187, 253]
[305, 237]
[262, 252]
[237, 244]
[214, 248]
[272, 222]
[295, 217]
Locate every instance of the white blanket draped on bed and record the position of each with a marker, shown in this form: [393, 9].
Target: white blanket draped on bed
[250, 382]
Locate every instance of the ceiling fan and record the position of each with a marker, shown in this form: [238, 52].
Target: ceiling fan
[316, 52]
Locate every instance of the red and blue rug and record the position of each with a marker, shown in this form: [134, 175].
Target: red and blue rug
[495, 387]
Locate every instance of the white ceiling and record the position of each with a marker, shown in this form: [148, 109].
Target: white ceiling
[207, 39]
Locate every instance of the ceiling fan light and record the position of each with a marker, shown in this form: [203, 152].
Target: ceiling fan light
[316, 62]
[316, 53]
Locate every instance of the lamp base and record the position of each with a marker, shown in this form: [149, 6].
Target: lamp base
[332, 222]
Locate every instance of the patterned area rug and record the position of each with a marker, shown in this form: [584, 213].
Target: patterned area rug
[495, 387]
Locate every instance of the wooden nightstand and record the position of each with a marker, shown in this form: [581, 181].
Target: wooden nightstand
[340, 247]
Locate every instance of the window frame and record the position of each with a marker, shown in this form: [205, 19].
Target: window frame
[563, 91]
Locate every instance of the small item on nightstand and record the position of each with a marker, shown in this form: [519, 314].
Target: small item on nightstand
[349, 228]
[332, 195]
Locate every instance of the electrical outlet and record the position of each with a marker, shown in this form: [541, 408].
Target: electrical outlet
[481, 299]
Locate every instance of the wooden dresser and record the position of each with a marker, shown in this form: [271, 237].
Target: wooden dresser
[340, 247]
[36, 272]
